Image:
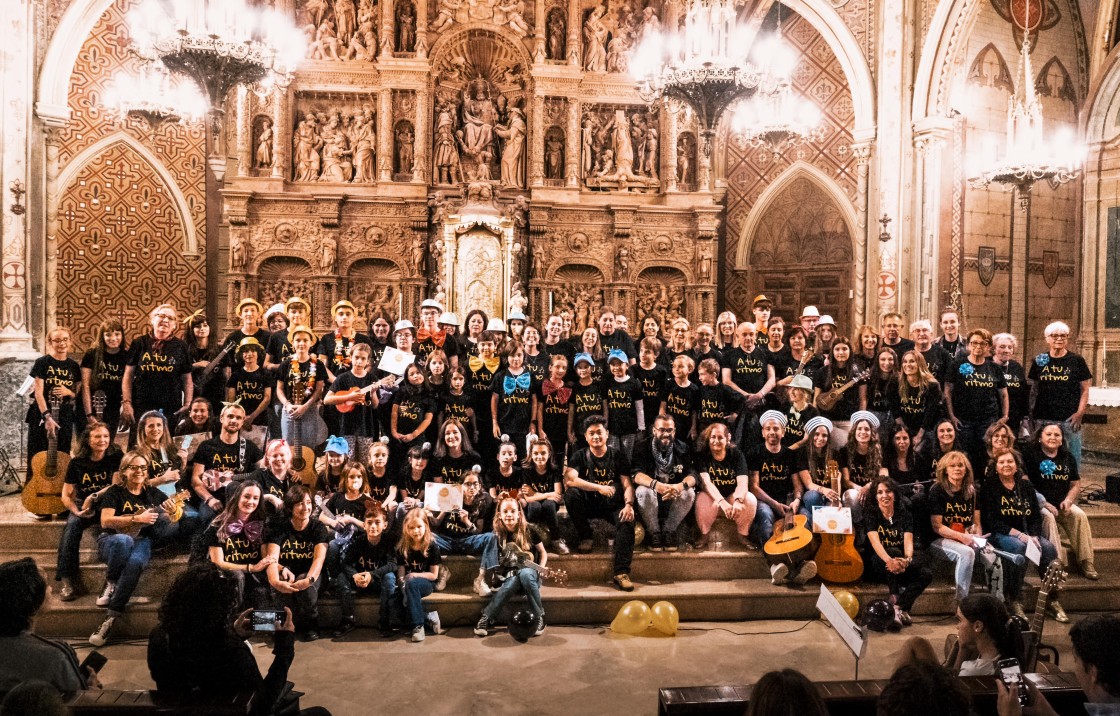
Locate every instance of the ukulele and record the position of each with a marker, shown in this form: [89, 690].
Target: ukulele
[828, 401]
[353, 397]
[792, 543]
[174, 514]
[208, 372]
[303, 457]
[42, 495]
[1055, 575]
[837, 559]
[513, 557]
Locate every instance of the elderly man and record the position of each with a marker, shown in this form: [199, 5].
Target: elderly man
[666, 483]
[938, 360]
[747, 370]
[1060, 381]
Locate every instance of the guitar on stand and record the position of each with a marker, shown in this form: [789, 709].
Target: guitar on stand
[303, 457]
[838, 559]
[828, 401]
[42, 495]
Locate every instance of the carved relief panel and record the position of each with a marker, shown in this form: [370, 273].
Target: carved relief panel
[612, 29]
[619, 148]
[339, 29]
[334, 138]
[515, 15]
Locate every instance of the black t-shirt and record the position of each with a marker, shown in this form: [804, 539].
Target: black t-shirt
[678, 468]
[415, 561]
[250, 387]
[776, 471]
[480, 379]
[340, 505]
[1051, 476]
[362, 418]
[54, 373]
[453, 469]
[605, 470]
[1002, 510]
[480, 514]
[795, 425]
[270, 484]
[620, 340]
[158, 372]
[654, 382]
[424, 348]
[233, 358]
[308, 373]
[954, 508]
[107, 378]
[938, 361]
[951, 347]
[236, 549]
[785, 365]
[124, 503]
[88, 475]
[495, 479]
[715, 403]
[456, 406]
[537, 365]
[414, 488]
[892, 532]
[279, 350]
[1059, 384]
[681, 403]
[1018, 392]
[561, 348]
[856, 463]
[361, 556]
[919, 408]
[213, 454]
[748, 370]
[541, 483]
[829, 379]
[379, 486]
[336, 350]
[975, 390]
[622, 405]
[297, 547]
[903, 345]
[555, 404]
[411, 411]
[882, 393]
[724, 473]
[515, 404]
[586, 400]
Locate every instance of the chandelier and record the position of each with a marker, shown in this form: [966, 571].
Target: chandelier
[702, 66]
[153, 98]
[219, 45]
[1031, 156]
[776, 118]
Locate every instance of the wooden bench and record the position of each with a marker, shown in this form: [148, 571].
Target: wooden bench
[107, 702]
[858, 698]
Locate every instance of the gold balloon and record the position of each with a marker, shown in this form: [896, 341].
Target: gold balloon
[639, 534]
[632, 618]
[666, 618]
[848, 601]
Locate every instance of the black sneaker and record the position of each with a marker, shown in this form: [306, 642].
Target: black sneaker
[656, 542]
[669, 541]
[344, 627]
[484, 626]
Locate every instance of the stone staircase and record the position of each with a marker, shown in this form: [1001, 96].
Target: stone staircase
[732, 584]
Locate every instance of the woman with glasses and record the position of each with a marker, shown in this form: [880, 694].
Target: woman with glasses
[975, 397]
[133, 519]
[1060, 382]
[57, 378]
[157, 375]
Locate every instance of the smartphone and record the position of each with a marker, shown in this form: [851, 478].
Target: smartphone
[1010, 674]
[266, 619]
[94, 661]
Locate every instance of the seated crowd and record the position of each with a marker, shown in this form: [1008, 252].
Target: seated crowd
[939, 447]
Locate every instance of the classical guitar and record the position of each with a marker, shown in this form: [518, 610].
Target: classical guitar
[42, 495]
[513, 557]
[792, 543]
[828, 401]
[303, 457]
[175, 513]
[208, 371]
[1055, 575]
[837, 559]
[99, 402]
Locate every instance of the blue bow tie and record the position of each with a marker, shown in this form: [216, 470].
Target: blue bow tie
[511, 384]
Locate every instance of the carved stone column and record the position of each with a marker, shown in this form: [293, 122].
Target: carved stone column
[668, 151]
[385, 135]
[385, 37]
[575, 25]
[244, 133]
[923, 265]
[281, 133]
[538, 33]
[862, 154]
[50, 258]
[571, 162]
[422, 144]
[421, 30]
[536, 142]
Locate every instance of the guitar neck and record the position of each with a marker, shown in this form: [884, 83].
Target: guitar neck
[1038, 619]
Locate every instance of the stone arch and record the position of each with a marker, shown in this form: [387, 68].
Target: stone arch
[182, 207]
[580, 286]
[989, 69]
[1054, 81]
[52, 98]
[374, 284]
[280, 276]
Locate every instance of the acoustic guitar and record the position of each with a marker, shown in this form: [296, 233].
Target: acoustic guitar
[513, 557]
[838, 559]
[1055, 575]
[99, 402]
[303, 457]
[792, 543]
[208, 371]
[42, 495]
[828, 401]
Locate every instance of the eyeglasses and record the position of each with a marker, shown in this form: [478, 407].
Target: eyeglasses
[135, 468]
[663, 430]
[977, 343]
[59, 341]
[164, 317]
[1059, 336]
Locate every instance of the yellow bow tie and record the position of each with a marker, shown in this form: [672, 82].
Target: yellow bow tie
[492, 364]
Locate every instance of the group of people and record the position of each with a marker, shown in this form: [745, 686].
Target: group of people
[939, 447]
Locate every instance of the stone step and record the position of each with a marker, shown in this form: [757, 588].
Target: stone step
[598, 602]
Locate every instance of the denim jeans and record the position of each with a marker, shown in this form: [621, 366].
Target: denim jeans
[809, 500]
[126, 558]
[1014, 575]
[71, 543]
[484, 546]
[653, 507]
[527, 582]
[763, 526]
[383, 587]
[412, 596]
[963, 558]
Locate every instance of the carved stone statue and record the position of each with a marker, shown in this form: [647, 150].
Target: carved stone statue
[238, 253]
[263, 155]
[595, 41]
[684, 163]
[587, 145]
[406, 27]
[518, 211]
[363, 139]
[445, 15]
[418, 247]
[514, 16]
[537, 266]
[404, 138]
[618, 54]
[336, 153]
[325, 45]
[649, 165]
[554, 158]
[479, 116]
[513, 155]
[306, 149]
[446, 154]
[517, 301]
[437, 208]
[327, 255]
[704, 260]
[622, 264]
[557, 35]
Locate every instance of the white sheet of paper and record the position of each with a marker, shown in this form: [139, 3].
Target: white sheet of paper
[395, 361]
[26, 387]
[442, 497]
[852, 636]
[832, 520]
[1034, 554]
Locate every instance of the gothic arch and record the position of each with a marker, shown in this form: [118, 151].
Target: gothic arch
[75, 166]
[798, 170]
[52, 97]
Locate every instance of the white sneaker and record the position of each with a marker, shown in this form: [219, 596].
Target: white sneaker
[481, 588]
[99, 637]
[106, 594]
[418, 633]
[432, 622]
[778, 573]
[540, 625]
[808, 571]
